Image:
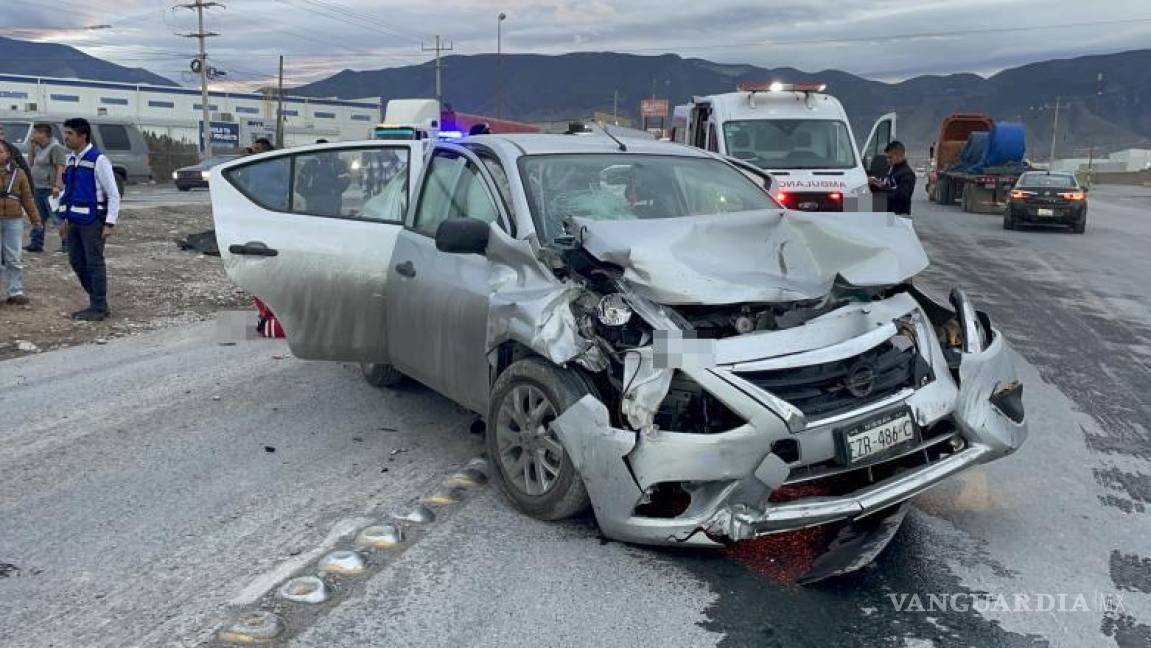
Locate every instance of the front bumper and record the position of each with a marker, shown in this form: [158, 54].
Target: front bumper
[730, 477]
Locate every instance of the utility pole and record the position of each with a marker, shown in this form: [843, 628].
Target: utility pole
[1055, 129]
[206, 136]
[440, 47]
[280, 106]
[500, 64]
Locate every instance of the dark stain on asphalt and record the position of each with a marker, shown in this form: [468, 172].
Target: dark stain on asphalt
[1126, 631]
[860, 609]
[1130, 572]
[1137, 486]
[1083, 349]
[8, 569]
[1125, 505]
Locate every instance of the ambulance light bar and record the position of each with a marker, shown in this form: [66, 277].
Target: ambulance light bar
[776, 86]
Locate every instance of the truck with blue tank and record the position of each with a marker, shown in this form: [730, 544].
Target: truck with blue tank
[976, 161]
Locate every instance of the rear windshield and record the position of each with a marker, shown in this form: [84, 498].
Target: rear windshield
[791, 143]
[1045, 180]
[14, 131]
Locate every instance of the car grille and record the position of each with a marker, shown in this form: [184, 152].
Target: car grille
[813, 201]
[832, 388]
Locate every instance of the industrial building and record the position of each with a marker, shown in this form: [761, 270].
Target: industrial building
[238, 118]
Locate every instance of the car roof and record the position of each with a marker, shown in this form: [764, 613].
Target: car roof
[540, 144]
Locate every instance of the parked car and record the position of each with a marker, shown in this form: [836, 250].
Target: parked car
[197, 175]
[121, 141]
[643, 328]
[1046, 198]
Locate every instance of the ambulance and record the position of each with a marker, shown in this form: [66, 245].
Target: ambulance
[795, 132]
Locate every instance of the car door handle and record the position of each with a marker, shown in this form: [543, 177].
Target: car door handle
[406, 269]
[253, 248]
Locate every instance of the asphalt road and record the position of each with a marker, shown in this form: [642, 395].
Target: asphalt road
[155, 487]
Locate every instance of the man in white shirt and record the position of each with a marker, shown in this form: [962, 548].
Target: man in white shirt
[90, 206]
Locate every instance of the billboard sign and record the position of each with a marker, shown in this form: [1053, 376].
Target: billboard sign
[653, 108]
[224, 134]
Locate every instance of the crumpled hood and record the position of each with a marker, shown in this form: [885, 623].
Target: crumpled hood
[762, 256]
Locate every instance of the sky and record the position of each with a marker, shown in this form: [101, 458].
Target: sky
[879, 39]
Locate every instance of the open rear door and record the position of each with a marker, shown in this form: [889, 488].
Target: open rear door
[311, 231]
[882, 134]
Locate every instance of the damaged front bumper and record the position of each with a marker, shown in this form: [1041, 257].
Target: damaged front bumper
[759, 478]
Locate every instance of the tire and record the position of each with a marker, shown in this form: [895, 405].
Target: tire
[1080, 227]
[968, 203]
[944, 191]
[1008, 221]
[381, 375]
[537, 385]
[120, 184]
[183, 188]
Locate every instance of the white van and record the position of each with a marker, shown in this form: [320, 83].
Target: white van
[799, 135]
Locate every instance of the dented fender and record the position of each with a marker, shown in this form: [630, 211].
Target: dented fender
[983, 376]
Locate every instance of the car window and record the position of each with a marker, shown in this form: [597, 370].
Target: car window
[1045, 180]
[264, 183]
[453, 188]
[369, 184]
[15, 131]
[797, 143]
[114, 137]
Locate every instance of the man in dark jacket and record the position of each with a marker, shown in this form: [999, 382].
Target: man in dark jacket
[899, 183]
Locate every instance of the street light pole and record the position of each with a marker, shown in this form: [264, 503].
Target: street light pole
[500, 65]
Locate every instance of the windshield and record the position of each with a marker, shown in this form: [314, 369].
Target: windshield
[790, 143]
[630, 187]
[14, 132]
[1046, 180]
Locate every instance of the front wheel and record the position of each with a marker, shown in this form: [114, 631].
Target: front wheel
[381, 375]
[535, 472]
[1008, 220]
[1080, 226]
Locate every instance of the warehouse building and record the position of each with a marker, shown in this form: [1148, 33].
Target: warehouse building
[237, 118]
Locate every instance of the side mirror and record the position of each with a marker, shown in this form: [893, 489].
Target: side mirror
[463, 236]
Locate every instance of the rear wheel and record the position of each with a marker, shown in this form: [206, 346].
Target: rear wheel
[380, 374]
[120, 180]
[944, 191]
[968, 199]
[1080, 226]
[535, 472]
[1008, 220]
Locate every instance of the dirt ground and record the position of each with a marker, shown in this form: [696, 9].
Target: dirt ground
[152, 284]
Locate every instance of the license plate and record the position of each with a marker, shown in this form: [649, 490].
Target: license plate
[878, 436]
[1046, 212]
[989, 185]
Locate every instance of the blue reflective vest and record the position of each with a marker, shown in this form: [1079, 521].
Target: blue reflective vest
[79, 204]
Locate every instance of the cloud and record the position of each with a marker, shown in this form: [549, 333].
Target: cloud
[886, 39]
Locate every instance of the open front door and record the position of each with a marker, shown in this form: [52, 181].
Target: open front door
[882, 134]
[311, 231]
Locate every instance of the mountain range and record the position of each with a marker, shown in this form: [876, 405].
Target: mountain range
[53, 60]
[1108, 113]
[1104, 100]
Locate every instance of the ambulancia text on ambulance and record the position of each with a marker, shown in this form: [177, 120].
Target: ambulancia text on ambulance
[799, 135]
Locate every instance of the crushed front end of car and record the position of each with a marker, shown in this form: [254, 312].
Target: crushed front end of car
[763, 372]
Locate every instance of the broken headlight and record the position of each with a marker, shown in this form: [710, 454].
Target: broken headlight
[613, 310]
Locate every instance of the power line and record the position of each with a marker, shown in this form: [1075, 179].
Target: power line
[367, 23]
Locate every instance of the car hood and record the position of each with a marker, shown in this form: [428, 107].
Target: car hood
[194, 167]
[761, 256]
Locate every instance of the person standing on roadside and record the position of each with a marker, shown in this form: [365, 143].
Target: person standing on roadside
[16, 201]
[899, 183]
[48, 159]
[90, 206]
